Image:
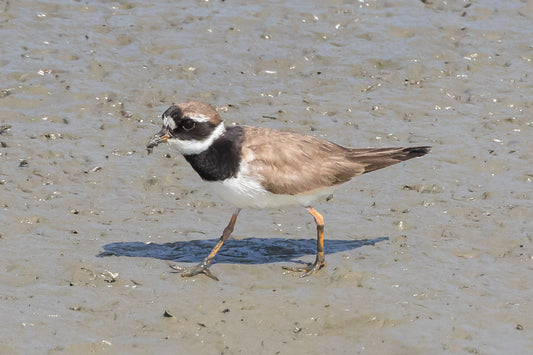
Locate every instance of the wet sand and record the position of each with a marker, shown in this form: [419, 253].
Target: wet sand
[429, 256]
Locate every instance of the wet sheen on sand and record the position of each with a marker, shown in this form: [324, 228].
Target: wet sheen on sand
[430, 256]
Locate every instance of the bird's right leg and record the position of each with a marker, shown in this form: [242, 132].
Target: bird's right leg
[320, 260]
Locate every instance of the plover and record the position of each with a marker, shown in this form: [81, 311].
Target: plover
[265, 168]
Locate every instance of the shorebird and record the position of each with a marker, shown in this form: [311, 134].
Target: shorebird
[264, 168]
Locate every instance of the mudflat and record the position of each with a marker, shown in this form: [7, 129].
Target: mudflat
[433, 255]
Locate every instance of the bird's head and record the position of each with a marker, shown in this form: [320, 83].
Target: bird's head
[192, 127]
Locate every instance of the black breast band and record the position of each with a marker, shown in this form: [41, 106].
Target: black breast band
[222, 159]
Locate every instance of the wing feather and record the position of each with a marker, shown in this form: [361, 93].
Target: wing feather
[290, 163]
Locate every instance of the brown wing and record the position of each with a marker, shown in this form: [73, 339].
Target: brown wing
[378, 158]
[290, 163]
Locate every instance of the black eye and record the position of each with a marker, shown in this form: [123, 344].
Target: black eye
[188, 125]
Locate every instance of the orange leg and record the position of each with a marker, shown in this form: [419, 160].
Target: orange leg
[320, 260]
[203, 267]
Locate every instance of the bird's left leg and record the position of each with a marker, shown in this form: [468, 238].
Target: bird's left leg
[320, 260]
[203, 267]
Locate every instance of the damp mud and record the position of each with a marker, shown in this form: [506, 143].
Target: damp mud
[433, 255]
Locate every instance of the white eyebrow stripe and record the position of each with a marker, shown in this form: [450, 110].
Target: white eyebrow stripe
[198, 117]
[169, 122]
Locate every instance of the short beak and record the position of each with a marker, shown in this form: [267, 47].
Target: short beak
[159, 137]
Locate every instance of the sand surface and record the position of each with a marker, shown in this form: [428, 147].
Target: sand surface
[429, 256]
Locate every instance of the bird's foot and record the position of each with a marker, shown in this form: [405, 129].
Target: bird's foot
[309, 269]
[202, 268]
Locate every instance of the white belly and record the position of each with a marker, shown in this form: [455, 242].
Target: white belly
[244, 191]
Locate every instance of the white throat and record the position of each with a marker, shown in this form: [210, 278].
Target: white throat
[192, 147]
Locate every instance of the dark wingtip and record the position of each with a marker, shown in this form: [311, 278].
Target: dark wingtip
[413, 152]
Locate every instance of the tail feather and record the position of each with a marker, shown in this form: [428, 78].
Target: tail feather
[378, 158]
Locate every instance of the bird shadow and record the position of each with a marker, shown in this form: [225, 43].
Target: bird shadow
[238, 251]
